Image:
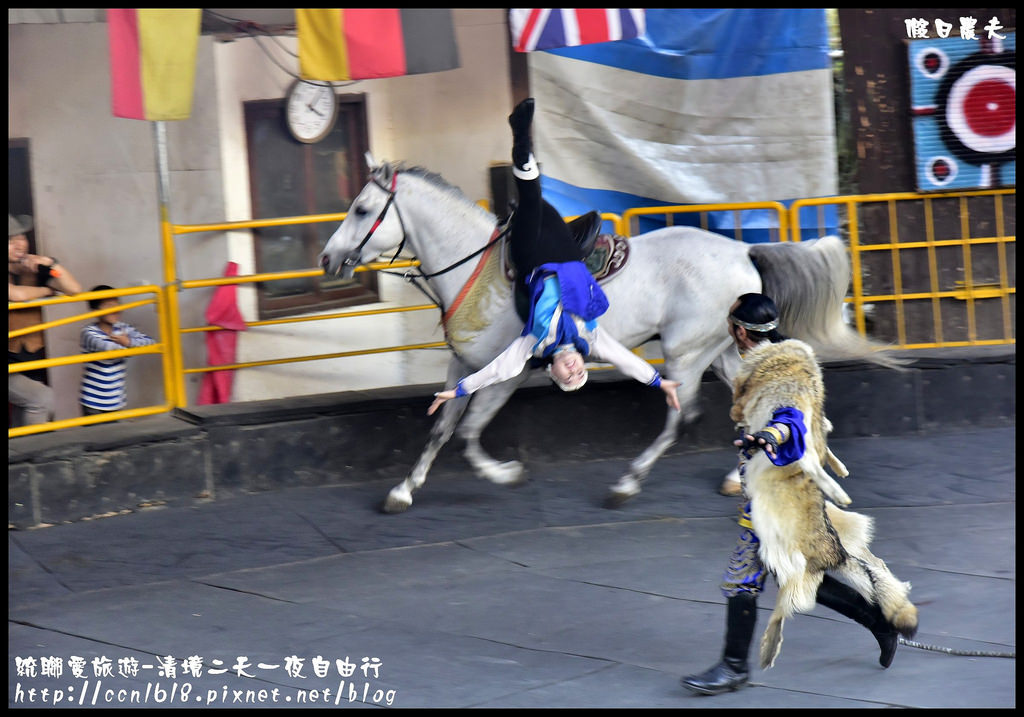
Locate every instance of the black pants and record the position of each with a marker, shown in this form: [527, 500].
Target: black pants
[539, 235]
[22, 356]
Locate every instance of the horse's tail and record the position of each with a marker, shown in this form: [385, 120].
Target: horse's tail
[808, 282]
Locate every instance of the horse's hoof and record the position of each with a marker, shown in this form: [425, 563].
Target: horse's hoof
[398, 501]
[509, 473]
[625, 489]
[614, 500]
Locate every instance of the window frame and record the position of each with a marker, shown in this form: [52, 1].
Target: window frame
[352, 119]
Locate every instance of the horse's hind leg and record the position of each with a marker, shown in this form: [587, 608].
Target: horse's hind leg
[400, 497]
[629, 484]
[486, 404]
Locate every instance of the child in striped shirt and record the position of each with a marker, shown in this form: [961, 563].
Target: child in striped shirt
[103, 382]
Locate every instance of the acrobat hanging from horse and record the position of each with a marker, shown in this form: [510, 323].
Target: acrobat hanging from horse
[563, 301]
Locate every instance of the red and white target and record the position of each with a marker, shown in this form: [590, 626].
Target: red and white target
[932, 62]
[964, 108]
[981, 109]
[942, 170]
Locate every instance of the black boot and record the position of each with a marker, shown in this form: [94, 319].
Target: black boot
[847, 601]
[731, 673]
[520, 120]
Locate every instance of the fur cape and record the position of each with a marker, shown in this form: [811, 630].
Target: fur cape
[803, 532]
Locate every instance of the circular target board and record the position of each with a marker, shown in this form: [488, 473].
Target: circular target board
[977, 109]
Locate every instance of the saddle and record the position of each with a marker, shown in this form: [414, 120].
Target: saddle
[604, 255]
[584, 230]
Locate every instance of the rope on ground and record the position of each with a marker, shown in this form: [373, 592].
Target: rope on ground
[951, 651]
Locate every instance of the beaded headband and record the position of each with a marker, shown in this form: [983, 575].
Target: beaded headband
[760, 328]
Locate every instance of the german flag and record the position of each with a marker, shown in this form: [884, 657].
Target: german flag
[153, 62]
[366, 43]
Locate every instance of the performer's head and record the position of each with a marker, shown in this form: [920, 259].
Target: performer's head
[568, 368]
[753, 319]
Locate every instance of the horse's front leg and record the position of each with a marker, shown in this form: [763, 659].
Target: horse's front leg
[485, 406]
[400, 497]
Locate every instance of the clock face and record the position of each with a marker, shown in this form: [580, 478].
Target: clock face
[311, 110]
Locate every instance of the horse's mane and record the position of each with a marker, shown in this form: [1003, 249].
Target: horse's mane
[435, 180]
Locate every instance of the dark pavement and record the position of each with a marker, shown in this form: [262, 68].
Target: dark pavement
[527, 597]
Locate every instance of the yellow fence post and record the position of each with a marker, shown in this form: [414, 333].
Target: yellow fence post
[173, 374]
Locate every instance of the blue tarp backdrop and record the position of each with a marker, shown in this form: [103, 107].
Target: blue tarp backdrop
[709, 106]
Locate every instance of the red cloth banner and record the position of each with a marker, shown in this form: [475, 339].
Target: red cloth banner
[337, 44]
[221, 345]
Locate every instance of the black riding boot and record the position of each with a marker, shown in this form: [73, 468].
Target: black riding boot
[731, 673]
[520, 120]
[847, 601]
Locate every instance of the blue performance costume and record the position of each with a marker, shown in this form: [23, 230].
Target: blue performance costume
[573, 286]
[552, 327]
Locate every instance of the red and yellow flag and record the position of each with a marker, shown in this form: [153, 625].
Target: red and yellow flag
[153, 62]
[367, 43]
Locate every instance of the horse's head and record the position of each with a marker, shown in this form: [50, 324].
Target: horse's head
[373, 225]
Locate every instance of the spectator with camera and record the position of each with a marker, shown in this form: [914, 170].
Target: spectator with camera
[30, 277]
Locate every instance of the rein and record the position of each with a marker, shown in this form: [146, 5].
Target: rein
[412, 278]
[495, 238]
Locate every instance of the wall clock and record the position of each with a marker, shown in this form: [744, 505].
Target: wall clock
[311, 110]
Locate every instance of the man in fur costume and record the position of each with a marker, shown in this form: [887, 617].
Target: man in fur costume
[791, 525]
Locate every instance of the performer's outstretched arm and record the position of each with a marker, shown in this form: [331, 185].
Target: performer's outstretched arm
[505, 365]
[605, 347]
[782, 439]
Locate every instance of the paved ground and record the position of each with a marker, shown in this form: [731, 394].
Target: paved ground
[529, 597]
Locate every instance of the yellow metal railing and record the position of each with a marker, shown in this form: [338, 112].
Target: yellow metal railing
[788, 228]
[911, 227]
[298, 319]
[277, 276]
[157, 348]
[779, 232]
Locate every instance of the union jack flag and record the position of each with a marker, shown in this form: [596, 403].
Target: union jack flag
[548, 28]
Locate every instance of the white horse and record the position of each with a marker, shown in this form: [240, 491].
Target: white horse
[678, 285]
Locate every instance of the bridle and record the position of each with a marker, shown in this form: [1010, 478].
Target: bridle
[353, 257]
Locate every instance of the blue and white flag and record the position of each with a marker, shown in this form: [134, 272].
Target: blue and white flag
[709, 106]
[548, 28]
